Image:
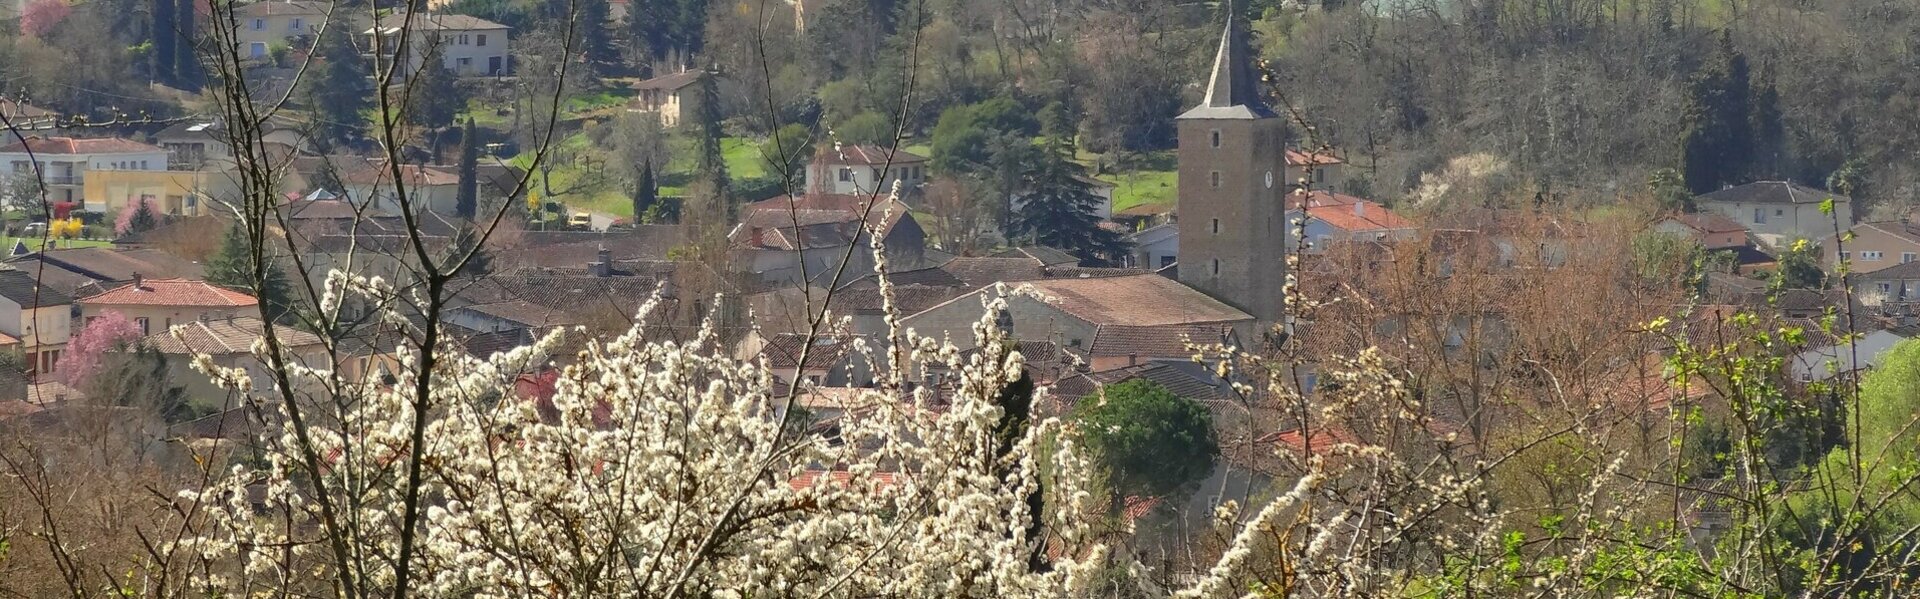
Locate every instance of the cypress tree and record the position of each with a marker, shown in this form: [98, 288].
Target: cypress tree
[596, 37]
[1769, 128]
[645, 191]
[186, 65]
[710, 161]
[1718, 145]
[467, 198]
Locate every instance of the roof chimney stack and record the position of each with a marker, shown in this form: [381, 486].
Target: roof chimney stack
[139, 282]
[1360, 209]
[602, 265]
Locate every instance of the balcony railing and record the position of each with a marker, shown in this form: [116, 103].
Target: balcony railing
[64, 179]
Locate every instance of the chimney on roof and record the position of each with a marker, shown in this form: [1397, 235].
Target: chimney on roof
[1360, 209]
[602, 265]
[759, 237]
[139, 282]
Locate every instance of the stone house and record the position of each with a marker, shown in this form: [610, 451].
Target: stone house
[1779, 211]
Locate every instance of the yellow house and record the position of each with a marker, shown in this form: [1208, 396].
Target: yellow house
[186, 193]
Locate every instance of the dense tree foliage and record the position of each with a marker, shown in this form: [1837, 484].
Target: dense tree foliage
[233, 267]
[1148, 441]
[466, 201]
[340, 92]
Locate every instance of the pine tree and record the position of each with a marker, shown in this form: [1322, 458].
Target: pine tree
[466, 203]
[186, 65]
[649, 27]
[645, 191]
[164, 30]
[1058, 211]
[1769, 128]
[233, 267]
[596, 36]
[342, 92]
[436, 100]
[143, 219]
[690, 26]
[1718, 146]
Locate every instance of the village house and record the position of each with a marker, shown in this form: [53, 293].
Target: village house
[668, 96]
[1111, 322]
[1155, 247]
[776, 237]
[229, 342]
[1712, 230]
[262, 26]
[1874, 246]
[857, 169]
[1779, 211]
[39, 318]
[1333, 218]
[436, 188]
[159, 304]
[832, 361]
[466, 46]
[64, 163]
[1320, 171]
[194, 143]
[1893, 292]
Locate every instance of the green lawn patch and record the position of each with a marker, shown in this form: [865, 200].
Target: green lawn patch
[1136, 188]
[33, 243]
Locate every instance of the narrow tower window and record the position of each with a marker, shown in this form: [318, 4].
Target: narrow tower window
[1216, 266]
[1216, 138]
[1213, 178]
[1216, 226]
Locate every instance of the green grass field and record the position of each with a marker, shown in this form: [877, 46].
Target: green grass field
[1136, 188]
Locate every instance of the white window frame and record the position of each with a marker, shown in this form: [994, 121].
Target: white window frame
[1872, 256]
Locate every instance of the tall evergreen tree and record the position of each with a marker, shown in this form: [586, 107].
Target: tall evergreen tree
[163, 30]
[646, 192]
[466, 202]
[1769, 128]
[233, 267]
[342, 92]
[710, 161]
[690, 27]
[186, 63]
[596, 35]
[650, 27]
[436, 99]
[1057, 210]
[1717, 149]
[143, 218]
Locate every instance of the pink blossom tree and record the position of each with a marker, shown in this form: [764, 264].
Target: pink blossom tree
[39, 17]
[106, 332]
[131, 219]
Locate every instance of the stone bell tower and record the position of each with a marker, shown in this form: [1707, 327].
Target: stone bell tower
[1233, 230]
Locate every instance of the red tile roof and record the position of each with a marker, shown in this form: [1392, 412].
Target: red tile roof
[1359, 216]
[1142, 300]
[171, 292]
[73, 145]
[1297, 440]
[812, 478]
[1708, 222]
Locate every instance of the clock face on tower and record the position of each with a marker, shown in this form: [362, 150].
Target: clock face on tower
[1269, 179]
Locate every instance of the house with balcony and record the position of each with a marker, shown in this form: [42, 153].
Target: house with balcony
[63, 163]
[466, 46]
[866, 170]
[667, 96]
[38, 316]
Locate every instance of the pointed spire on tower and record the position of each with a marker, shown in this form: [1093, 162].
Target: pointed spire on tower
[1233, 90]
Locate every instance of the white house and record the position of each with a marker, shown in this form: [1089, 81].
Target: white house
[1156, 247]
[64, 162]
[467, 46]
[1779, 211]
[262, 25]
[864, 169]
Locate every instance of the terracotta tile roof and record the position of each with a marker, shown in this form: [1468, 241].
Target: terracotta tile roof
[1321, 197]
[1145, 210]
[1136, 507]
[823, 222]
[1907, 271]
[225, 336]
[171, 292]
[1316, 442]
[79, 145]
[21, 110]
[416, 174]
[6, 340]
[813, 478]
[1772, 192]
[866, 155]
[1360, 216]
[1708, 222]
[980, 272]
[1299, 158]
[524, 313]
[1046, 256]
[1904, 230]
[1141, 300]
[908, 299]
